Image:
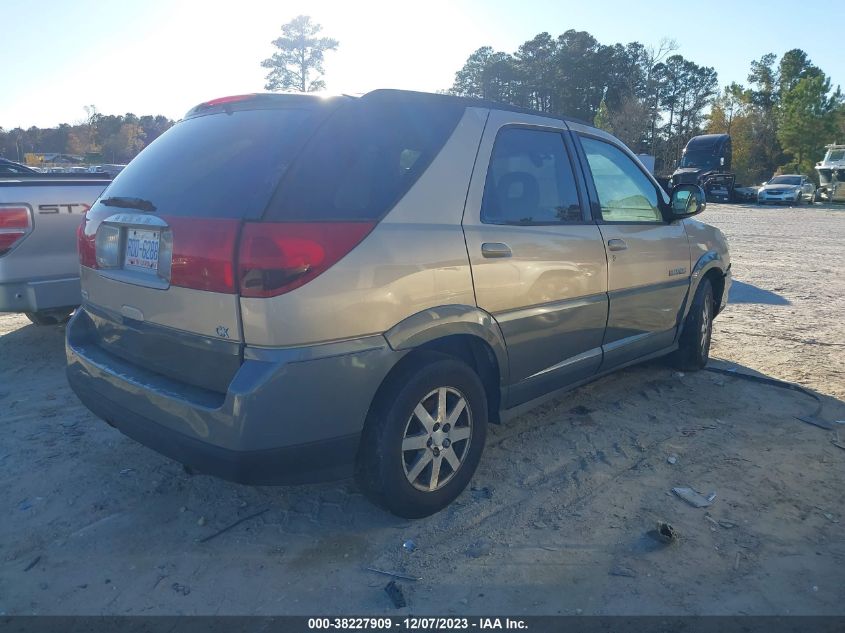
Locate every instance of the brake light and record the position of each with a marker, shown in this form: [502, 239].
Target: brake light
[15, 224]
[204, 253]
[275, 258]
[86, 246]
[224, 100]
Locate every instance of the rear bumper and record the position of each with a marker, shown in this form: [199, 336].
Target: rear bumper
[43, 294]
[289, 415]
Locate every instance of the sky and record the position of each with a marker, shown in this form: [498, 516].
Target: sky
[165, 56]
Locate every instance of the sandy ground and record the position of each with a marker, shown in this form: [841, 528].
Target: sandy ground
[560, 514]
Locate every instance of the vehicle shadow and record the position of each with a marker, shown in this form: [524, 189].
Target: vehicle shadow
[742, 292]
[31, 348]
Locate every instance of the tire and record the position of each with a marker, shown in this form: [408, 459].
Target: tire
[694, 346]
[54, 316]
[401, 481]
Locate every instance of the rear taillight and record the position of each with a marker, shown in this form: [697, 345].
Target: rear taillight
[15, 224]
[203, 253]
[86, 246]
[275, 258]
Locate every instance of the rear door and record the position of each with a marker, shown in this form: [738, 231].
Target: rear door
[537, 261]
[648, 257]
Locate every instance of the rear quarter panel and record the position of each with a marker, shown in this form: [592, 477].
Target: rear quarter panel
[414, 259]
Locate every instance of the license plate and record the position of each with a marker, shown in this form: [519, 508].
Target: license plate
[142, 249]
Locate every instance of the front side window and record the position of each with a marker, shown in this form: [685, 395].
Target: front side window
[530, 180]
[625, 193]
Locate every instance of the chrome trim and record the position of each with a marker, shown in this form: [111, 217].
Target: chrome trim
[312, 352]
[623, 292]
[622, 342]
[546, 308]
[139, 219]
[590, 353]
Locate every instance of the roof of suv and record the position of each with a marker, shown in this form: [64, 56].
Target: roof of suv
[382, 94]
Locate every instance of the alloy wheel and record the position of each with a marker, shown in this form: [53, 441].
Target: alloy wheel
[436, 439]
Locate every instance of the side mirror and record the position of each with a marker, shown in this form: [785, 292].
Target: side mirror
[687, 200]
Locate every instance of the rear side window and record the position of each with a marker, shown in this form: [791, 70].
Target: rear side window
[530, 180]
[363, 159]
[224, 165]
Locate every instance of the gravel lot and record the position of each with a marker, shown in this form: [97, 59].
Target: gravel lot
[560, 514]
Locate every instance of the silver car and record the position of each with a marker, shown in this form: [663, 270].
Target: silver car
[789, 188]
[360, 285]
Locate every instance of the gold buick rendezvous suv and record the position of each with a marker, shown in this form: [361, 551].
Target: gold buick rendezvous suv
[286, 288]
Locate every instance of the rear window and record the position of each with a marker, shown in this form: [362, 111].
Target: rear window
[363, 159]
[224, 165]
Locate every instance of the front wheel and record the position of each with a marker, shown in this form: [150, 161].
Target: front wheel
[424, 436]
[694, 346]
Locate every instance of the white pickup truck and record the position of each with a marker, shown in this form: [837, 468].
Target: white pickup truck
[39, 265]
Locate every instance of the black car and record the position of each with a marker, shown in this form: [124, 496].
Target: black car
[8, 167]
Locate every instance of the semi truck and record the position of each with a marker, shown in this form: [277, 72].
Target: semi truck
[706, 162]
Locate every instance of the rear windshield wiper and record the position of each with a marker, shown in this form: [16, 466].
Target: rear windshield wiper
[129, 203]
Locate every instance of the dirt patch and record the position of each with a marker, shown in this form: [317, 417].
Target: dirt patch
[561, 516]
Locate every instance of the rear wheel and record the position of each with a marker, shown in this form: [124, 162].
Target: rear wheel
[54, 316]
[424, 436]
[694, 346]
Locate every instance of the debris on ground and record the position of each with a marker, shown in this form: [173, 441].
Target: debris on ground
[396, 595]
[827, 515]
[580, 410]
[180, 588]
[672, 459]
[33, 563]
[231, 525]
[736, 561]
[126, 471]
[201, 521]
[485, 492]
[621, 570]
[409, 545]
[695, 499]
[665, 533]
[392, 573]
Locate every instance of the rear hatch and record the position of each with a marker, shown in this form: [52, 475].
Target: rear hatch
[158, 249]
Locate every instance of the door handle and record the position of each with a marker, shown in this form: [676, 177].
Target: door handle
[495, 249]
[616, 245]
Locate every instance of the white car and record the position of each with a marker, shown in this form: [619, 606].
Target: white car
[789, 188]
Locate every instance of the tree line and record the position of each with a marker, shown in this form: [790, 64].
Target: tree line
[651, 97]
[100, 138]
[655, 100]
